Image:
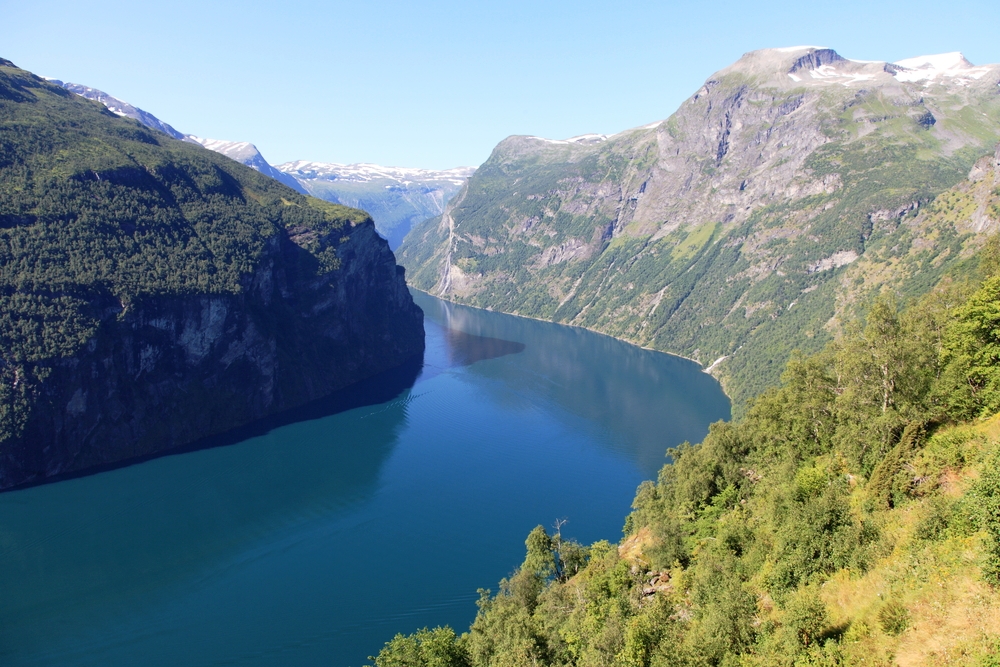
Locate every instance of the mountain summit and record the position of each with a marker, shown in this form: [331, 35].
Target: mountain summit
[815, 66]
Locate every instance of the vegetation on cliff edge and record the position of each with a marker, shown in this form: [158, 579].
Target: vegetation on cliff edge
[851, 517]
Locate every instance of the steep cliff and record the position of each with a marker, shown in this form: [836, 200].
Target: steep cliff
[153, 293]
[721, 232]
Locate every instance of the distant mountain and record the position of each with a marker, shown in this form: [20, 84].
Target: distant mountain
[241, 151]
[396, 197]
[246, 153]
[724, 233]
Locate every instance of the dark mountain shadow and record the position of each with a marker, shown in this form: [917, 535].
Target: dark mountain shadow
[465, 349]
[92, 546]
[375, 390]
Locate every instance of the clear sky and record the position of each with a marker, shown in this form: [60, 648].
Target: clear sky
[437, 84]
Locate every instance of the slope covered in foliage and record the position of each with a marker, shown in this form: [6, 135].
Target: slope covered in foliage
[851, 517]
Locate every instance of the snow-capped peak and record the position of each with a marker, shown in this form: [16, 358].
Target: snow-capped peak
[936, 67]
[363, 172]
[241, 151]
[941, 61]
[792, 49]
[584, 139]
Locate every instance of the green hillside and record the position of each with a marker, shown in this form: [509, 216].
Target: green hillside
[852, 517]
[849, 515]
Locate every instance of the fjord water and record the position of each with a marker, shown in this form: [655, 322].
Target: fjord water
[312, 540]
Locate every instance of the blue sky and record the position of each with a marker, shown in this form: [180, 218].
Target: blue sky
[438, 84]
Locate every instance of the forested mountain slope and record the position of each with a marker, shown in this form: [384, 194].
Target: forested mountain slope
[153, 292]
[726, 230]
[851, 517]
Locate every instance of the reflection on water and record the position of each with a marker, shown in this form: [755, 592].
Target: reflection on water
[89, 547]
[465, 349]
[375, 390]
[642, 401]
[314, 537]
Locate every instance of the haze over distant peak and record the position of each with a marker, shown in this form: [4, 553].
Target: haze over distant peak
[581, 140]
[396, 197]
[366, 171]
[246, 153]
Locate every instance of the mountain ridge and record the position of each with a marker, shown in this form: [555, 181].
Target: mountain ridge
[397, 197]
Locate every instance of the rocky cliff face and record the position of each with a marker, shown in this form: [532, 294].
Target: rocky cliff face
[944, 235]
[718, 232]
[169, 370]
[153, 293]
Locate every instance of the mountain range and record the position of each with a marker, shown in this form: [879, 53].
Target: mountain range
[396, 197]
[737, 229]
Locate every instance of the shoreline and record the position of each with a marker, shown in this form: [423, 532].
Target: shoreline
[704, 369]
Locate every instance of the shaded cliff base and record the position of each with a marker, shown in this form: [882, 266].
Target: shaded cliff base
[374, 390]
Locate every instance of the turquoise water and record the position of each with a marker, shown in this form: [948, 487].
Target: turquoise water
[311, 540]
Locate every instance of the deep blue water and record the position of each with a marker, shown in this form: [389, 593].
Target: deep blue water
[379, 511]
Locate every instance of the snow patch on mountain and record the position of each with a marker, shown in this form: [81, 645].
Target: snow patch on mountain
[241, 151]
[936, 67]
[831, 72]
[246, 153]
[583, 139]
[792, 49]
[119, 107]
[364, 172]
[808, 66]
